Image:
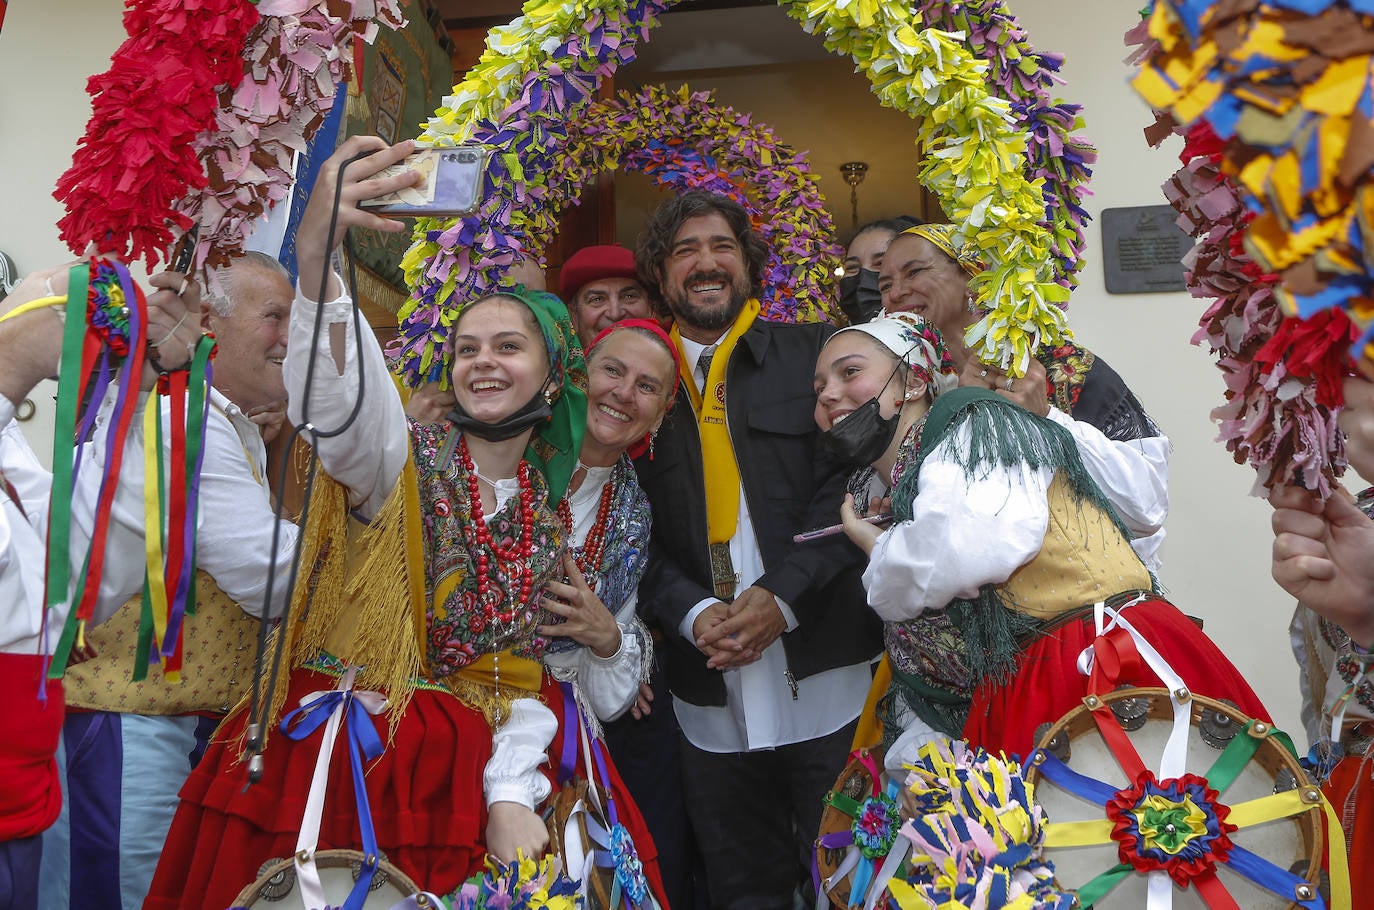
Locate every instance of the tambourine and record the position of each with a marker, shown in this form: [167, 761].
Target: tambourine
[859, 826]
[1108, 828]
[391, 888]
[571, 841]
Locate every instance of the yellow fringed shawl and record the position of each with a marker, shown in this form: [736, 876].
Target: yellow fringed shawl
[363, 579]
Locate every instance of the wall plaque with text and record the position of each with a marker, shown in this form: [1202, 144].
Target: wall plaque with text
[1142, 249]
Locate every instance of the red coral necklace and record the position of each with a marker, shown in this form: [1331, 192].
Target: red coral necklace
[588, 557]
[514, 560]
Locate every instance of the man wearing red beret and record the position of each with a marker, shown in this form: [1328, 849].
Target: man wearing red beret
[600, 286]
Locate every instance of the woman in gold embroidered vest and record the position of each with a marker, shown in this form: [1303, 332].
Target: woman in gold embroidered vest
[926, 271]
[1001, 538]
[436, 603]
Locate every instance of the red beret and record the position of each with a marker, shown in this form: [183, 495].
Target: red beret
[592, 263]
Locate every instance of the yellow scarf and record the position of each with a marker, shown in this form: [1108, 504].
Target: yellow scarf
[717, 453]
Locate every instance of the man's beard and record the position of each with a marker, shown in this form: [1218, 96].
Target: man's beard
[710, 319]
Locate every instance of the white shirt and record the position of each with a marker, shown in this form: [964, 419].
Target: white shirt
[23, 554]
[964, 533]
[23, 547]
[367, 458]
[761, 711]
[1134, 475]
[234, 518]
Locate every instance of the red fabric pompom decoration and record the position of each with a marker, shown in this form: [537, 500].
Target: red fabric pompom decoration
[138, 155]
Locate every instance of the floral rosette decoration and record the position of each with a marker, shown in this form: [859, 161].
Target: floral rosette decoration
[682, 140]
[1177, 826]
[629, 871]
[523, 885]
[976, 835]
[875, 827]
[107, 309]
[1289, 103]
[1282, 374]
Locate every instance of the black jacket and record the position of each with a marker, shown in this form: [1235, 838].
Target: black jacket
[790, 486]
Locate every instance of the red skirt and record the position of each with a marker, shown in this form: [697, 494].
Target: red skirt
[1047, 685]
[425, 792]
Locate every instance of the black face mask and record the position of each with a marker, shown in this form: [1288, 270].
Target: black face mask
[532, 413]
[859, 297]
[865, 434]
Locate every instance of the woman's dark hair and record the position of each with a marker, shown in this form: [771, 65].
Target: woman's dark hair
[656, 240]
[895, 225]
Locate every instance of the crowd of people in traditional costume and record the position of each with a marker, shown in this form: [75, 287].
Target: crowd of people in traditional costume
[577, 559]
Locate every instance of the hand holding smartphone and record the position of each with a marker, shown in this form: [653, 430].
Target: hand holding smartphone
[451, 186]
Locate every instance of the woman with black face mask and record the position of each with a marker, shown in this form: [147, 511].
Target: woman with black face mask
[1001, 545]
[859, 296]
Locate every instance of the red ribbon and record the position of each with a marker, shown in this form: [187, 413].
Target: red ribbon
[1115, 659]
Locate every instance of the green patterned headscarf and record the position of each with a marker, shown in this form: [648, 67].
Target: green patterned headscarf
[556, 443]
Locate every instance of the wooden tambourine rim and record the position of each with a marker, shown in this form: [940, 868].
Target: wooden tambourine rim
[1271, 755]
[330, 859]
[831, 822]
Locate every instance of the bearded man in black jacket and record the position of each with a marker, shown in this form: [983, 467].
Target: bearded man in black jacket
[768, 643]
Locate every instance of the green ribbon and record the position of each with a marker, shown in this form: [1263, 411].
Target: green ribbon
[69, 388]
[195, 441]
[68, 400]
[1097, 889]
[1234, 758]
[846, 805]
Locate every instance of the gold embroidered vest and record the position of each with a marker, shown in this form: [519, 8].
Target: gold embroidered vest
[1084, 559]
[217, 661]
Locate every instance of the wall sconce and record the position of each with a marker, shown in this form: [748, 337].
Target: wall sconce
[854, 172]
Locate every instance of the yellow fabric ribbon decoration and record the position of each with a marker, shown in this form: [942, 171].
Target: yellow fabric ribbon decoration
[153, 527]
[717, 452]
[869, 733]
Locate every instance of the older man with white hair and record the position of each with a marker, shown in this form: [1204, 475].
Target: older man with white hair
[130, 744]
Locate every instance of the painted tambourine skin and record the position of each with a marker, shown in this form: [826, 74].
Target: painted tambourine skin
[1295, 843]
[277, 887]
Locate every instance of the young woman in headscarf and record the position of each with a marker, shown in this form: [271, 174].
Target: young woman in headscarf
[926, 270]
[435, 603]
[1002, 543]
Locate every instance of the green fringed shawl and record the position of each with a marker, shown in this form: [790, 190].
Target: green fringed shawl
[1002, 435]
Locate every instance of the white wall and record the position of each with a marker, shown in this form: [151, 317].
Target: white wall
[47, 51]
[1216, 558]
